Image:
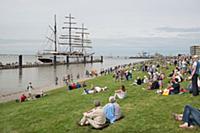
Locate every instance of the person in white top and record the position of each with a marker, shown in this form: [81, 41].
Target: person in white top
[29, 88]
[121, 93]
[194, 76]
[95, 89]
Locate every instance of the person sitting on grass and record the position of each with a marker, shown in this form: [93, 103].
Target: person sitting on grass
[145, 80]
[190, 117]
[40, 94]
[160, 82]
[84, 84]
[138, 81]
[153, 85]
[23, 98]
[95, 117]
[112, 110]
[175, 87]
[121, 93]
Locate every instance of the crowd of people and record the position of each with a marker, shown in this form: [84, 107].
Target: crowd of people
[186, 69]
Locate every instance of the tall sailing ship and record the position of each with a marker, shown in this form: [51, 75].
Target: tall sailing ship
[74, 44]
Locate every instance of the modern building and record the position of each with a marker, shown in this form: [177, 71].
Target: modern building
[195, 50]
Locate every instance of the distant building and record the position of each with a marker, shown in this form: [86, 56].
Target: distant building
[195, 50]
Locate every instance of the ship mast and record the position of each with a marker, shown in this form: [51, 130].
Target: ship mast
[69, 36]
[82, 40]
[55, 39]
[76, 40]
[55, 34]
[54, 30]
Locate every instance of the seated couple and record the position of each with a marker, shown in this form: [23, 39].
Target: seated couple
[95, 89]
[98, 116]
[190, 117]
[74, 86]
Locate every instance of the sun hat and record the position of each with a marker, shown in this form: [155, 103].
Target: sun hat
[112, 99]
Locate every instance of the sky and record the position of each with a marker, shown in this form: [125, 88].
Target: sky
[116, 27]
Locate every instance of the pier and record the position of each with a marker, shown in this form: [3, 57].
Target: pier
[141, 57]
[20, 64]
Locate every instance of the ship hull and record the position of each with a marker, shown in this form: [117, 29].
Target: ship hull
[45, 60]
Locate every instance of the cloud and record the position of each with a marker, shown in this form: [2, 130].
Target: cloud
[132, 46]
[172, 29]
[189, 35]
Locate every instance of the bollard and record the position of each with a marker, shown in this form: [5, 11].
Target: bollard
[101, 58]
[20, 61]
[84, 59]
[67, 59]
[91, 59]
[54, 60]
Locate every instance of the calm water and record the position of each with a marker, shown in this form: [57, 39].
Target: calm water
[15, 80]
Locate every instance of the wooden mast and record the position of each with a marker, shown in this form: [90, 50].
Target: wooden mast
[55, 34]
[82, 40]
[74, 41]
[55, 39]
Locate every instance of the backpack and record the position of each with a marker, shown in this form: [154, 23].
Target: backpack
[198, 68]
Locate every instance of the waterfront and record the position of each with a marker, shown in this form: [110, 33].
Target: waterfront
[16, 80]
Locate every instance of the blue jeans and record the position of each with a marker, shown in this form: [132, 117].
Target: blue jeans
[191, 115]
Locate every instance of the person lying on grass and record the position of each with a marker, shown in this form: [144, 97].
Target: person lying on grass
[95, 117]
[190, 117]
[95, 89]
[120, 93]
[112, 110]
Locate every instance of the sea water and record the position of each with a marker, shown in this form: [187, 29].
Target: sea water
[16, 80]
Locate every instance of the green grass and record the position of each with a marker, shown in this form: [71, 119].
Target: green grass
[58, 112]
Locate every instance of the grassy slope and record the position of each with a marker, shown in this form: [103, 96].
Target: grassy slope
[144, 110]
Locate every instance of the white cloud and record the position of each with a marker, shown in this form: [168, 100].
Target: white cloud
[172, 29]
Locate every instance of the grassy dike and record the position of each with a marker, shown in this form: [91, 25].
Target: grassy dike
[58, 112]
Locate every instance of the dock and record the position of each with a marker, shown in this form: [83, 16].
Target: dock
[20, 64]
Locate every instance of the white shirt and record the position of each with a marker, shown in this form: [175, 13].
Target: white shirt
[29, 88]
[194, 64]
[98, 89]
